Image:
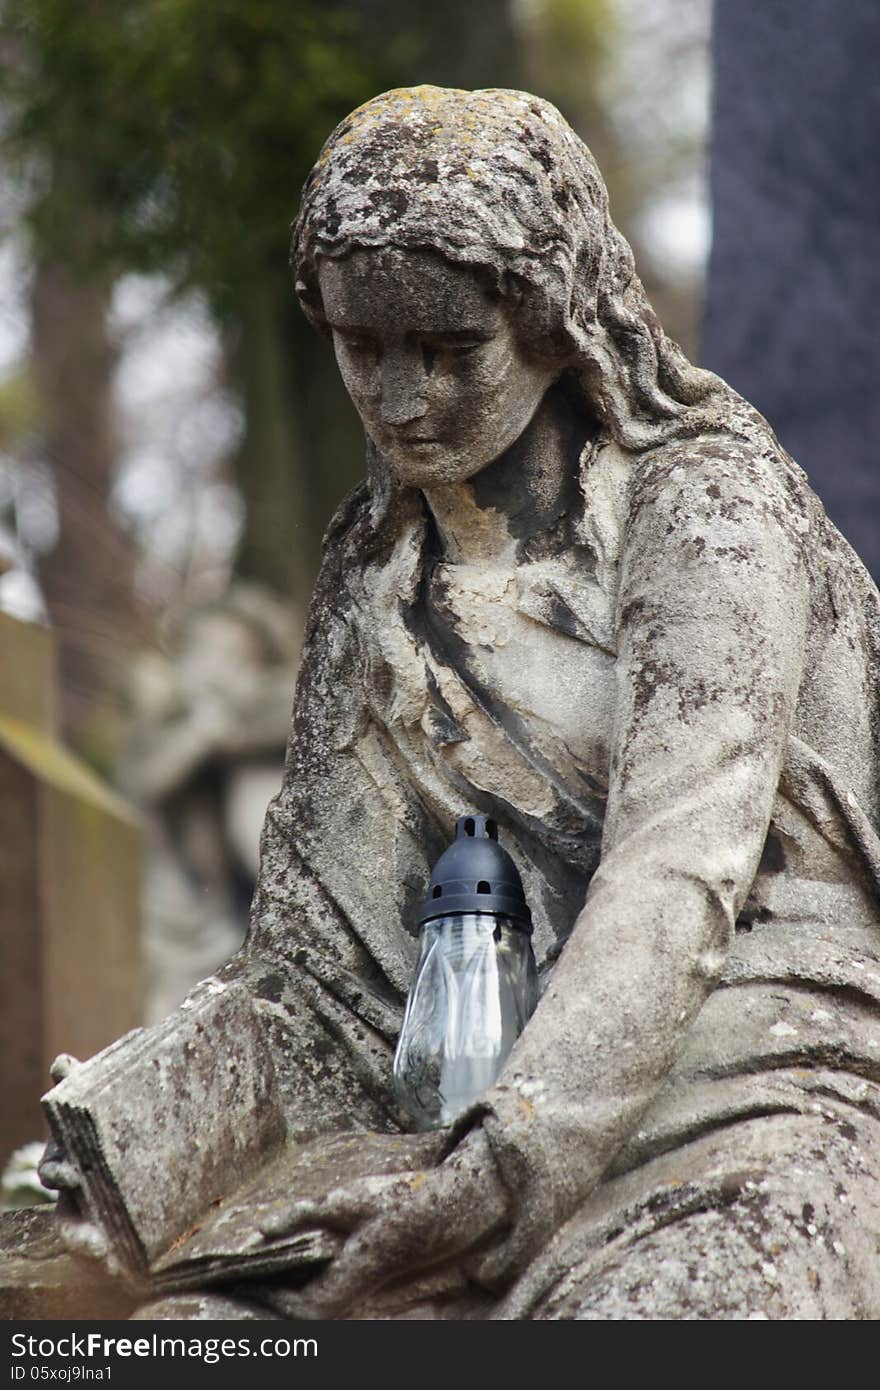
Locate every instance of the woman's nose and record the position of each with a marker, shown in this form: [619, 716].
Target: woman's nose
[403, 386]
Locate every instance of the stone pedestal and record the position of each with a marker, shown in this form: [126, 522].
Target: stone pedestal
[40, 1279]
[69, 892]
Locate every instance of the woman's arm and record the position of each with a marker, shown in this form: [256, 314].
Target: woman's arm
[712, 617]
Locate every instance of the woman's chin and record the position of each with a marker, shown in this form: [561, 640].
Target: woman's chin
[430, 465]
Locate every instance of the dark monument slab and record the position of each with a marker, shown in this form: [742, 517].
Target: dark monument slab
[793, 296]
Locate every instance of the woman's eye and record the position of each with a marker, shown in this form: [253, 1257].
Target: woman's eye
[448, 349]
[452, 347]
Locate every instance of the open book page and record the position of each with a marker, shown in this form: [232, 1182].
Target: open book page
[230, 1239]
[179, 1139]
[169, 1119]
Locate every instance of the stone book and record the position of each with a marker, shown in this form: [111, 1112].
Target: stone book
[179, 1201]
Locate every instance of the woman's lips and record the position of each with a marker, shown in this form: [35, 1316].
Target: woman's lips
[410, 440]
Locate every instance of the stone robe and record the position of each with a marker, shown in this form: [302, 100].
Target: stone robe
[670, 705]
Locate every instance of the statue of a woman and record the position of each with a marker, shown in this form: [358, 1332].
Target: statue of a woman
[583, 589]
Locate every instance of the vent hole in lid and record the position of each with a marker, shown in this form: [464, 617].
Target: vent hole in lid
[438, 891]
[484, 887]
[492, 829]
[469, 826]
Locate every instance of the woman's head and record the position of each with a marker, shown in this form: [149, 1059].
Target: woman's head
[432, 361]
[496, 181]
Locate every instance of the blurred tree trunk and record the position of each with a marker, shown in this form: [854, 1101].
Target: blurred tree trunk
[302, 448]
[270, 469]
[458, 44]
[87, 576]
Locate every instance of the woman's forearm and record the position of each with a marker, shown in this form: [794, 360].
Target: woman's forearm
[712, 619]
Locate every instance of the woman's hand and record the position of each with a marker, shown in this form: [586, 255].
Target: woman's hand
[399, 1224]
[54, 1170]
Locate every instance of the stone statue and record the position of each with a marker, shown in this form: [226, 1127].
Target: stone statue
[583, 589]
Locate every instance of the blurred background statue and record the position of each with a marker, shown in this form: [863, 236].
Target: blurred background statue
[209, 726]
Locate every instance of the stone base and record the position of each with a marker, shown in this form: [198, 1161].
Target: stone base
[40, 1279]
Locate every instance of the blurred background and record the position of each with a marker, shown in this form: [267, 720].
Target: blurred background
[173, 436]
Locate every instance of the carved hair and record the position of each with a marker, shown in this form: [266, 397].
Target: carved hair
[499, 181]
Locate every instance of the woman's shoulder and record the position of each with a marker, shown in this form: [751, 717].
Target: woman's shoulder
[732, 475]
[735, 491]
[367, 522]
[739, 459]
[351, 512]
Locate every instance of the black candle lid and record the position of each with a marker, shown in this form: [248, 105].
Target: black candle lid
[476, 875]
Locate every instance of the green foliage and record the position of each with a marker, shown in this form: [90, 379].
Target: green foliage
[567, 42]
[174, 136]
[575, 31]
[188, 124]
[19, 409]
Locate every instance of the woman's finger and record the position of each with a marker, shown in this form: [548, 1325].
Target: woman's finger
[54, 1169]
[361, 1267]
[433, 1218]
[63, 1065]
[391, 1245]
[341, 1209]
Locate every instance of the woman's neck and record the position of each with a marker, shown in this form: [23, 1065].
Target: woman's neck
[486, 520]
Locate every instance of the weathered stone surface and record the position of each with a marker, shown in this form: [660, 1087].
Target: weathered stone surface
[40, 1279]
[631, 635]
[689, 1236]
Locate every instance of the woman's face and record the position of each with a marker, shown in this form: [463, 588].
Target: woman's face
[431, 362]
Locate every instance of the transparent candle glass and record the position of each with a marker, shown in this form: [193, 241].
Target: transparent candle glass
[475, 989]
